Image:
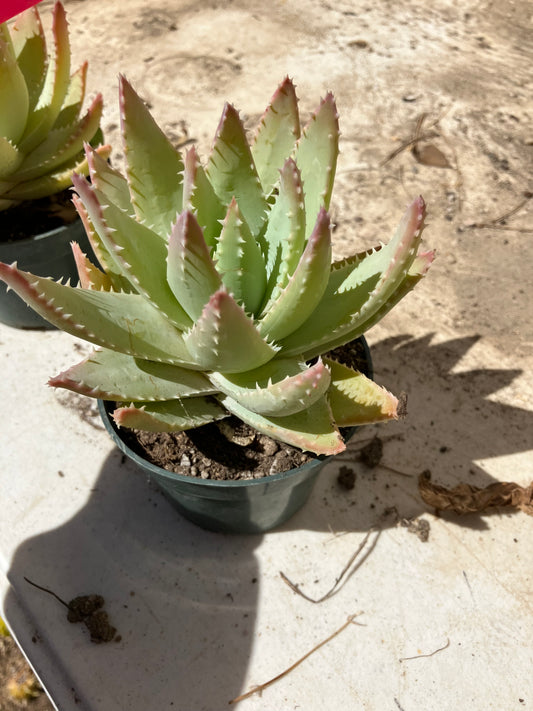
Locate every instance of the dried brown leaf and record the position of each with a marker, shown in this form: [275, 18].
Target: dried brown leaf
[464, 498]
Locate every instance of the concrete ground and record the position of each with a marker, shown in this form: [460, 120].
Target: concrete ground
[203, 618]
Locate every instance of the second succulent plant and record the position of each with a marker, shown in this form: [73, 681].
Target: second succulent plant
[42, 131]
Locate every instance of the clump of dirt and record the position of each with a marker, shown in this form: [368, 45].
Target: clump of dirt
[89, 610]
[346, 478]
[372, 453]
[417, 526]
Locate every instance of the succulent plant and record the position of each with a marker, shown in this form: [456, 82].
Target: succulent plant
[41, 132]
[217, 293]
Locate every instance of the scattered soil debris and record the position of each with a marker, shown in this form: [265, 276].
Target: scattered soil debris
[346, 478]
[89, 610]
[464, 498]
[402, 405]
[419, 526]
[372, 453]
[261, 687]
[371, 456]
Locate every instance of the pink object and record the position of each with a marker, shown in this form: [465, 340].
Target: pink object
[10, 8]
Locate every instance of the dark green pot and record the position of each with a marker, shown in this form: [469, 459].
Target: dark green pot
[46, 254]
[247, 506]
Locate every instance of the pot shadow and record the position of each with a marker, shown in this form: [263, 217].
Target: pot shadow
[183, 601]
[451, 428]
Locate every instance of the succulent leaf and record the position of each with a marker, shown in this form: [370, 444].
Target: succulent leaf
[200, 198]
[239, 261]
[14, 93]
[170, 416]
[61, 145]
[225, 339]
[312, 430]
[231, 170]
[29, 44]
[108, 180]
[73, 102]
[191, 274]
[279, 388]
[54, 182]
[294, 304]
[417, 270]
[55, 88]
[365, 286]
[276, 135]
[357, 400]
[90, 276]
[110, 375]
[123, 322]
[284, 238]
[104, 258]
[128, 242]
[153, 164]
[10, 160]
[316, 156]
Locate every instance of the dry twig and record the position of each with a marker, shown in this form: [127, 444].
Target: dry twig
[498, 223]
[417, 137]
[343, 577]
[261, 687]
[435, 651]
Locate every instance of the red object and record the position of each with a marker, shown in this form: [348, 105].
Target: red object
[10, 8]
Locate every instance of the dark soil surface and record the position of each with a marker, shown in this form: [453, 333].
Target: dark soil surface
[229, 449]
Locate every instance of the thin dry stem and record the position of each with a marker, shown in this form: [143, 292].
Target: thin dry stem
[337, 585]
[261, 687]
[419, 656]
[46, 590]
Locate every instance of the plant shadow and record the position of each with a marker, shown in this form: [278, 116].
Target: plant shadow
[452, 428]
[183, 601]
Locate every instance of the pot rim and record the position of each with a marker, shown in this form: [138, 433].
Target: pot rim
[49, 234]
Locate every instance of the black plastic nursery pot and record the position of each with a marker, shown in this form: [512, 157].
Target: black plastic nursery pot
[46, 254]
[242, 506]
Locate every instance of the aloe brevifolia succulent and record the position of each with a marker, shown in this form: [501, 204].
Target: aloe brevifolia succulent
[41, 131]
[216, 292]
